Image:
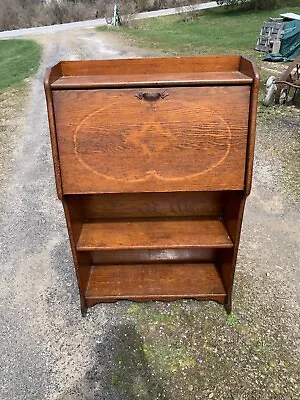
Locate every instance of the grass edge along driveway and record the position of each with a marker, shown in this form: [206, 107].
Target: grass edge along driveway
[212, 31]
[19, 59]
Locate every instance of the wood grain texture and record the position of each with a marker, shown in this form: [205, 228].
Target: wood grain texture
[152, 256]
[152, 80]
[154, 282]
[153, 162]
[82, 261]
[234, 218]
[134, 205]
[51, 75]
[231, 211]
[191, 140]
[251, 69]
[153, 234]
[149, 66]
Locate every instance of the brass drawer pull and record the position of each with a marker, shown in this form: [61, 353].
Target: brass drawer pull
[151, 96]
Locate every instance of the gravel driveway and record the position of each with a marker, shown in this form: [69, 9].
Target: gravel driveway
[126, 351]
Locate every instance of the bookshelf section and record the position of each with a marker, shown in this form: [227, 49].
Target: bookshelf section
[153, 164]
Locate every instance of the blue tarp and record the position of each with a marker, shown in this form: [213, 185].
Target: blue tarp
[290, 43]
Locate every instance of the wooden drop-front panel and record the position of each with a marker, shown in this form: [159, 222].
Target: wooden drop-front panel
[112, 141]
[153, 164]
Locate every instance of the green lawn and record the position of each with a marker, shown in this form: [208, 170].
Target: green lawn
[19, 59]
[214, 31]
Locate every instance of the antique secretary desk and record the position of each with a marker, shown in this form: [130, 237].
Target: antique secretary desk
[153, 163]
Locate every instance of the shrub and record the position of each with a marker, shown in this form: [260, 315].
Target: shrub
[16, 14]
[250, 4]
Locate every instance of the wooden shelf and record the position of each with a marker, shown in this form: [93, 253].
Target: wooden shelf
[153, 163]
[179, 71]
[155, 282]
[157, 233]
[192, 78]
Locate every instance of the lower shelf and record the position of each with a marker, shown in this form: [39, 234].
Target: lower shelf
[154, 233]
[154, 282]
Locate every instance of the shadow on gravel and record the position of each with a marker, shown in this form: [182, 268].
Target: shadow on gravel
[120, 370]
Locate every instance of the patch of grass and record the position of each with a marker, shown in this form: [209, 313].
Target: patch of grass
[214, 31]
[169, 357]
[232, 320]
[134, 309]
[195, 358]
[19, 59]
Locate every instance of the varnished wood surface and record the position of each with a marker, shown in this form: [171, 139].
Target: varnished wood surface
[152, 80]
[153, 65]
[134, 205]
[228, 257]
[82, 261]
[156, 282]
[251, 69]
[153, 169]
[52, 74]
[111, 141]
[152, 256]
[153, 234]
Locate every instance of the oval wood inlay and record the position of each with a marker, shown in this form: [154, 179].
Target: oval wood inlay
[156, 137]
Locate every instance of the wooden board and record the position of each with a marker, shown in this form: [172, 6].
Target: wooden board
[147, 205]
[154, 282]
[148, 66]
[152, 256]
[112, 141]
[159, 79]
[153, 234]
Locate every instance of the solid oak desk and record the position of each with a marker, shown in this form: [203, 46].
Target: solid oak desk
[153, 163]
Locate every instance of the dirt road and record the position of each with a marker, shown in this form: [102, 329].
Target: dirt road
[50, 29]
[183, 350]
